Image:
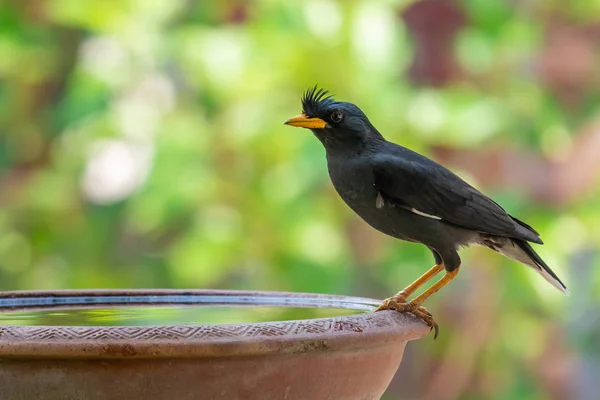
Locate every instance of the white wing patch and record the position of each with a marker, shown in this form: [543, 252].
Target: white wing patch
[379, 203]
[422, 214]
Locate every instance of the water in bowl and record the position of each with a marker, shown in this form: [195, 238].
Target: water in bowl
[165, 315]
[166, 310]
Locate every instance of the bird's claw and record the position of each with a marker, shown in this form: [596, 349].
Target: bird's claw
[399, 303]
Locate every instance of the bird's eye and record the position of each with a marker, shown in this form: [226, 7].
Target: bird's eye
[337, 116]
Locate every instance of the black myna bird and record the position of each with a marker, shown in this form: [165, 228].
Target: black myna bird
[410, 197]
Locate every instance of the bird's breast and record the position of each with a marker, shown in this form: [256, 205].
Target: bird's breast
[355, 185]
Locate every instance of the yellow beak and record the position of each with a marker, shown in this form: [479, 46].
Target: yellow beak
[302, 121]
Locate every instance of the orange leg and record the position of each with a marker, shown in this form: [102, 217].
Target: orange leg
[410, 289]
[399, 303]
[401, 296]
[436, 286]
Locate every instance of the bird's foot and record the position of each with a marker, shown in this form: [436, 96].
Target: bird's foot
[399, 303]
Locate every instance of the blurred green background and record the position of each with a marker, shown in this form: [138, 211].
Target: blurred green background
[142, 145]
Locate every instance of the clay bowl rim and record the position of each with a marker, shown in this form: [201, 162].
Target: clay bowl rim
[365, 330]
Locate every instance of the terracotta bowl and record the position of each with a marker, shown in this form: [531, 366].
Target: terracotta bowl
[340, 357]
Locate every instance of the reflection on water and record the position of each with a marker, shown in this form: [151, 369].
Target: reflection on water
[165, 315]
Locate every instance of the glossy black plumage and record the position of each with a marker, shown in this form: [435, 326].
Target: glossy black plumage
[413, 181]
[408, 196]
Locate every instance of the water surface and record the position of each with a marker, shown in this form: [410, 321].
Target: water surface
[140, 310]
[164, 315]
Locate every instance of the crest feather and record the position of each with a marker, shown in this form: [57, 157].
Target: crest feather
[313, 99]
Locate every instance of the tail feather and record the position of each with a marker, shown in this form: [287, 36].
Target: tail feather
[522, 251]
[542, 267]
[524, 225]
[536, 238]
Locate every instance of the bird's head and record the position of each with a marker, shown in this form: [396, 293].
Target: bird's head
[336, 124]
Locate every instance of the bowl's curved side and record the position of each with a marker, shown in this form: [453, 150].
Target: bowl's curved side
[349, 374]
[324, 334]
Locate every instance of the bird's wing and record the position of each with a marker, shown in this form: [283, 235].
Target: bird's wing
[430, 190]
